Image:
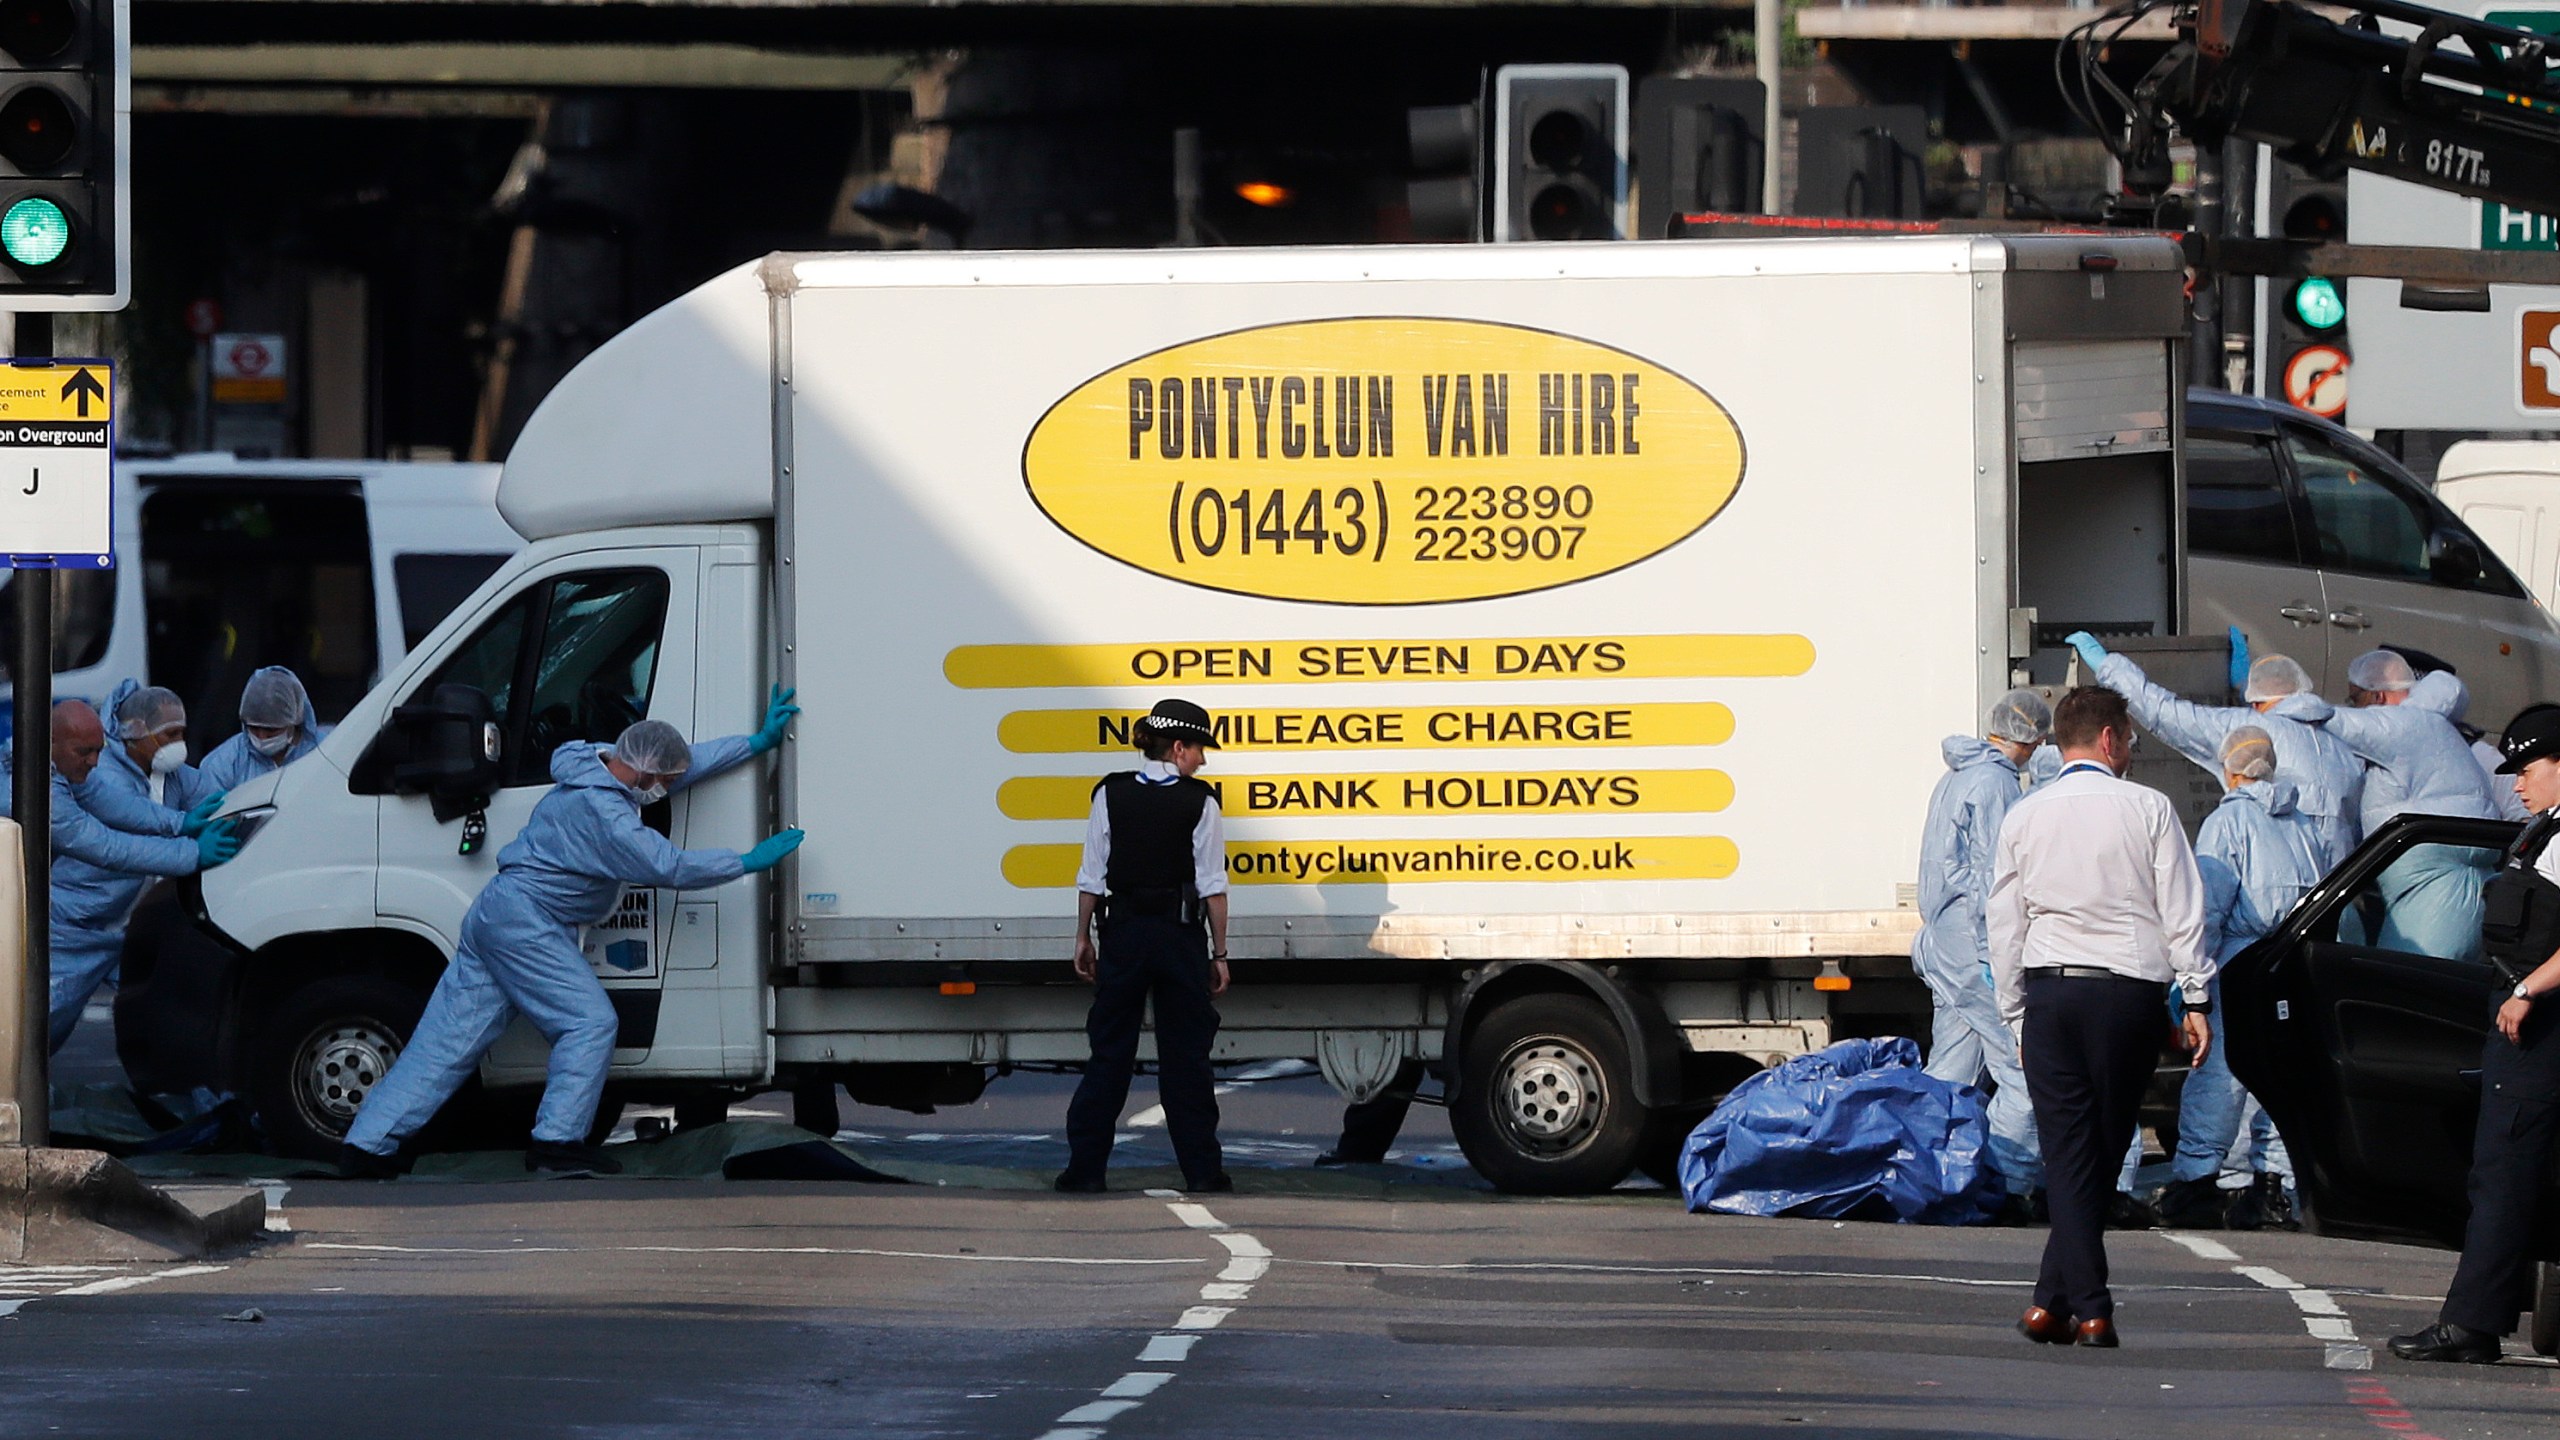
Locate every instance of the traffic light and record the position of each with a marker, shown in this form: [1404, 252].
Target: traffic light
[1444, 196]
[2308, 359]
[65, 112]
[1862, 161]
[1699, 147]
[1560, 152]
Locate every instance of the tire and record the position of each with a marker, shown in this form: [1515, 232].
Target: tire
[321, 1052]
[1666, 1132]
[701, 1112]
[1546, 1100]
[813, 1107]
[2546, 1309]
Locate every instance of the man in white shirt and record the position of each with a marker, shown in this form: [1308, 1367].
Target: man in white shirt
[2095, 909]
[1155, 876]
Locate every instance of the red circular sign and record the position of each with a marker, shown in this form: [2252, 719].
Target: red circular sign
[2316, 379]
[249, 359]
[203, 318]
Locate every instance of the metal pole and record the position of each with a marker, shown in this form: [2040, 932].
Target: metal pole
[1768, 31]
[1186, 186]
[31, 672]
[2205, 359]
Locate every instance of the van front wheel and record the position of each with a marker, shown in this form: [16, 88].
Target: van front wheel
[321, 1053]
[1546, 1100]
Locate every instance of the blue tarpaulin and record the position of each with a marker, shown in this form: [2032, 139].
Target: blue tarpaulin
[1853, 1132]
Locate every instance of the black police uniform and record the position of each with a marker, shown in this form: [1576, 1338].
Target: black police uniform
[1154, 943]
[2519, 1097]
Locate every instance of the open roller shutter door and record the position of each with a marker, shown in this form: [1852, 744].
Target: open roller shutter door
[2103, 398]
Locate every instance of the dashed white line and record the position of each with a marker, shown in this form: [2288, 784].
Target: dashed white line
[2322, 1317]
[1248, 1260]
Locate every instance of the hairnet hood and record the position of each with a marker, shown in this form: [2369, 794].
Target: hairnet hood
[2380, 670]
[2273, 677]
[1963, 752]
[654, 747]
[2248, 752]
[140, 709]
[274, 699]
[2020, 717]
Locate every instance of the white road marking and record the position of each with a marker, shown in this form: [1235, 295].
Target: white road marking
[108, 1286]
[736, 1250]
[1137, 1385]
[1197, 1217]
[1249, 1259]
[1571, 1267]
[2201, 1247]
[1098, 1412]
[2322, 1316]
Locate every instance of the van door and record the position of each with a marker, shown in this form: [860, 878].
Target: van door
[2369, 1058]
[576, 653]
[2399, 569]
[2245, 564]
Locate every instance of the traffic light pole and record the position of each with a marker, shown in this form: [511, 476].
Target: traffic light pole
[1768, 37]
[23, 1069]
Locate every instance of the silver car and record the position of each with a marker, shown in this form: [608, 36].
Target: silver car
[2319, 546]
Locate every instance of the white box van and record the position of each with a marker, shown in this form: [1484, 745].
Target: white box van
[334, 568]
[2508, 491]
[1584, 622]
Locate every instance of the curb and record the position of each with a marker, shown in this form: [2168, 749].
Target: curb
[62, 1206]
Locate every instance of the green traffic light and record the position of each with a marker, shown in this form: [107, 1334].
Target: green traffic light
[34, 232]
[2318, 305]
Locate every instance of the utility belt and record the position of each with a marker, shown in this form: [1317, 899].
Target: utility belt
[1179, 903]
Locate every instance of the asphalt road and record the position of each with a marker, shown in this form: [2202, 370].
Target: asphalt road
[582, 1308]
[1403, 1301]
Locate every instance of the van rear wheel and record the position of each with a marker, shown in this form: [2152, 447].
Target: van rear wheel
[1546, 1099]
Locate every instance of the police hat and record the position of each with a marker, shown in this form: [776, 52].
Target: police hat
[1183, 721]
[2534, 733]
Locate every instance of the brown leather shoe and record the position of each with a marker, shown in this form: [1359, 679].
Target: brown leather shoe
[2045, 1327]
[2096, 1334]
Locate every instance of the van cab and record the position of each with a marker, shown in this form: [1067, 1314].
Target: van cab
[334, 568]
[2508, 492]
[2319, 546]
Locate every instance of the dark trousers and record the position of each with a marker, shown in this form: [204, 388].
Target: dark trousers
[2510, 1156]
[1145, 956]
[2090, 1048]
[1369, 1127]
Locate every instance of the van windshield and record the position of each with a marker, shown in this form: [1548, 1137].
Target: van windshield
[84, 616]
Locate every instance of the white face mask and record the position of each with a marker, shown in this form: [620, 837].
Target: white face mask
[272, 746]
[653, 794]
[169, 758]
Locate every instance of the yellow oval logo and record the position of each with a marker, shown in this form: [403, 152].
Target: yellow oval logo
[1384, 461]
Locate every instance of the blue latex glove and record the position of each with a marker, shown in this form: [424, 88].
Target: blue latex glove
[2092, 654]
[2239, 659]
[194, 824]
[778, 714]
[770, 850]
[219, 842]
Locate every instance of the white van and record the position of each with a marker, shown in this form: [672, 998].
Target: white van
[333, 567]
[2508, 492]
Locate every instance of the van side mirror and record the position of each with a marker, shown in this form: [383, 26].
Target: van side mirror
[447, 749]
[2453, 558]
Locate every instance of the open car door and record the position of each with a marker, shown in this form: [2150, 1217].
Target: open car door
[2365, 1050]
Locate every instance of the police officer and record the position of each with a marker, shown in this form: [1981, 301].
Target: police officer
[2519, 1066]
[1155, 868]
